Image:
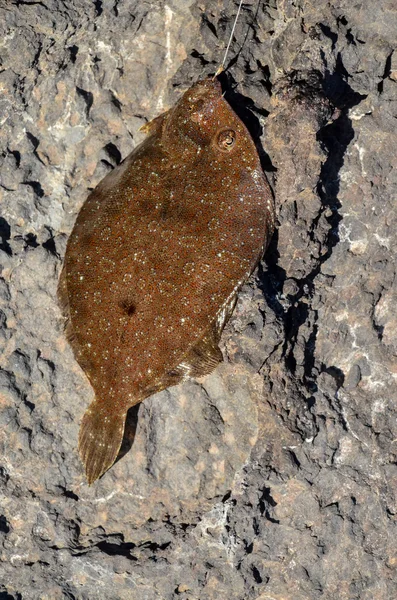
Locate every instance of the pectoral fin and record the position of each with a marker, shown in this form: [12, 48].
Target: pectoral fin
[202, 359]
[154, 124]
[206, 355]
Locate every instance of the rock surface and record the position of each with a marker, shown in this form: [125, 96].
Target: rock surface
[274, 478]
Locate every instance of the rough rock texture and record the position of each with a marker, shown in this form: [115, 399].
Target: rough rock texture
[274, 478]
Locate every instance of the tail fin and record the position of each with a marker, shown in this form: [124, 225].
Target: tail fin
[101, 434]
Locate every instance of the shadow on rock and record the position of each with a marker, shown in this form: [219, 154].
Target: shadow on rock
[303, 93]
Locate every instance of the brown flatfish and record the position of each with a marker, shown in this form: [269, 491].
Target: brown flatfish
[155, 260]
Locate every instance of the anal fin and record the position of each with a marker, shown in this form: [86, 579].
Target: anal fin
[101, 434]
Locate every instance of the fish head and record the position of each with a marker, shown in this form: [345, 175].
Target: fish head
[201, 119]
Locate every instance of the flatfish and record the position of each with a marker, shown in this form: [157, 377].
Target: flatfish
[157, 255]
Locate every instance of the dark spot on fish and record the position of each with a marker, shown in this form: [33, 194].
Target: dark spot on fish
[128, 307]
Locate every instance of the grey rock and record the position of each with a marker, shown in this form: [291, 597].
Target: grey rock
[275, 477]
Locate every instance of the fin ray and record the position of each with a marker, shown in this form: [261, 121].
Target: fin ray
[206, 355]
[62, 292]
[155, 124]
[63, 300]
[202, 358]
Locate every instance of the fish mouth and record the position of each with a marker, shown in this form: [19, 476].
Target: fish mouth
[213, 83]
[206, 86]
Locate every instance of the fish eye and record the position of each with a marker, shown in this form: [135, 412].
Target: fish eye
[226, 140]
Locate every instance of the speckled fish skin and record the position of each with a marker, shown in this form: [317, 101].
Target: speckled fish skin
[156, 257]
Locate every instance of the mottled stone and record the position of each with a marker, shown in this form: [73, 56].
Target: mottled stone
[275, 477]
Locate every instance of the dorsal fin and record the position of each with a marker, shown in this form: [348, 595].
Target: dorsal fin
[63, 300]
